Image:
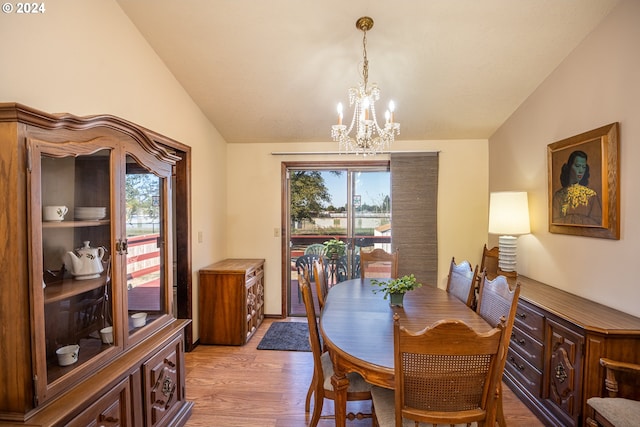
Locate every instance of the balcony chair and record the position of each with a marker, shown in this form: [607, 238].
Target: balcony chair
[445, 374]
[320, 386]
[378, 259]
[462, 282]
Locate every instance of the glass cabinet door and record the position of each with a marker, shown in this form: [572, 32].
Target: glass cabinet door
[146, 263]
[73, 262]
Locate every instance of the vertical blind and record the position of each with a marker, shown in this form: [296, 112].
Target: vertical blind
[414, 206]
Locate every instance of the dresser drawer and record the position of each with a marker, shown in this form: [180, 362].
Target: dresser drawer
[530, 320]
[521, 371]
[111, 410]
[527, 347]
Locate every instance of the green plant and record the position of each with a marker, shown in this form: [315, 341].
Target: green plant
[400, 285]
[335, 248]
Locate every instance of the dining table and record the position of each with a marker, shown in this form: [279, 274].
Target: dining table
[356, 324]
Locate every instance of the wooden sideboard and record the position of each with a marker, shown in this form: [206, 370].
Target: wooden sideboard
[557, 341]
[231, 301]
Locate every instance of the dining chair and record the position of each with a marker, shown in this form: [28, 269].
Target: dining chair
[322, 288]
[378, 263]
[490, 263]
[445, 374]
[497, 303]
[302, 262]
[461, 282]
[621, 405]
[321, 387]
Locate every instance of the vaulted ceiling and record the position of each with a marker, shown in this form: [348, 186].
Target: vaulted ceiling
[273, 71]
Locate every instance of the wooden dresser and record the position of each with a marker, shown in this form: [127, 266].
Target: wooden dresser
[231, 301]
[557, 342]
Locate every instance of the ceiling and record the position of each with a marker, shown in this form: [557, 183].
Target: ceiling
[274, 71]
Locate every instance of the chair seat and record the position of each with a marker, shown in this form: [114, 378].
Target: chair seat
[385, 408]
[619, 412]
[356, 382]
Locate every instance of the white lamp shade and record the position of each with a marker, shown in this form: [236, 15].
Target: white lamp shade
[509, 213]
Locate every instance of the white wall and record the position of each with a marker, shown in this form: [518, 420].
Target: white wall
[86, 57]
[597, 84]
[254, 202]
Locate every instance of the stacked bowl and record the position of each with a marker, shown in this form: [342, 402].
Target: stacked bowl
[90, 213]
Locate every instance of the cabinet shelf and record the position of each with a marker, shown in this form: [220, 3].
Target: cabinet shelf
[68, 288]
[74, 224]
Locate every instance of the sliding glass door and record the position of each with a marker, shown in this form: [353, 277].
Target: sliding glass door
[351, 204]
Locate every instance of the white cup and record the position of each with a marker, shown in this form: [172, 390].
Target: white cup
[107, 335]
[139, 319]
[54, 213]
[68, 355]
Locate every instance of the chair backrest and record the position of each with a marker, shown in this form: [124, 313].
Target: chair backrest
[378, 263]
[314, 333]
[497, 300]
[498, 303]
[489, 262]
[322, 289]
[305, 261]
[462, 281]
[314, 249]
[447, 373]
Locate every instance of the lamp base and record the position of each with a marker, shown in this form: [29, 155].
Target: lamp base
[507, 248]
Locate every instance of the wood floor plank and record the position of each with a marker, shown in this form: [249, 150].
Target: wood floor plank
[240, 386]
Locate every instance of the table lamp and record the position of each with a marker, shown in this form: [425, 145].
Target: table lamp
[508, 217]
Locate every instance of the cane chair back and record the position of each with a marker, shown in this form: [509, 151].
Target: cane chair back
[322, 288]
[378, 263]
[321, 386]
[497, 303]
[445, 374]
[462, 282]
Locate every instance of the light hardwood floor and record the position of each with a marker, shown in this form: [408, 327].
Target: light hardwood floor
[242, 386]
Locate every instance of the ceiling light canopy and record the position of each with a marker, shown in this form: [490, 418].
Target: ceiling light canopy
[369, 138]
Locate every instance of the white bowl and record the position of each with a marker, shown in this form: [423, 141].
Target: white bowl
[68, 355]
[139, 319]
[90, 212]
[107, 335]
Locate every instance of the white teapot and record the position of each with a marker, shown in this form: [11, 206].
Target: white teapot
[87, 264]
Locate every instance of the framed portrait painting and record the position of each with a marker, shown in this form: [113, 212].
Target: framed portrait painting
[583, 184]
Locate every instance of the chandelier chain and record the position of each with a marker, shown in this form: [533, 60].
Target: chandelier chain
[365, 62]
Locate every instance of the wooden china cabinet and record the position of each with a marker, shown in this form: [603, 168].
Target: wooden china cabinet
[113, 179]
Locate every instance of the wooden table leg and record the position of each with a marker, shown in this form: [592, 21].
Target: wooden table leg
[340, 384]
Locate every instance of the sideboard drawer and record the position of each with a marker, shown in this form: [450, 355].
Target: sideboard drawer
[527, 347]
[530, 320]
[525, 374]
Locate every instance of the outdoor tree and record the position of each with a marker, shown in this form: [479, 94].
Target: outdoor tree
[142, 192]
[309, 195]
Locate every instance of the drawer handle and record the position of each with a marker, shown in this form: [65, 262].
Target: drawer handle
[522, 315]
[513, 361]
[521, 341]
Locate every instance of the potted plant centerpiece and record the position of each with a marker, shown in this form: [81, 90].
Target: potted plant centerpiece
[334, 248]
[396, 288]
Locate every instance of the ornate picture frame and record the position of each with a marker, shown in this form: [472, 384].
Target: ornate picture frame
[584, 188]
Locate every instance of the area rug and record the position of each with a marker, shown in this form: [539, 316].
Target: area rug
[286, 336]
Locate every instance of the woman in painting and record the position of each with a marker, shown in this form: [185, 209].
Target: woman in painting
[576, 203]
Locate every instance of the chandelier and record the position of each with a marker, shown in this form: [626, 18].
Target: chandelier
[369, 137]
